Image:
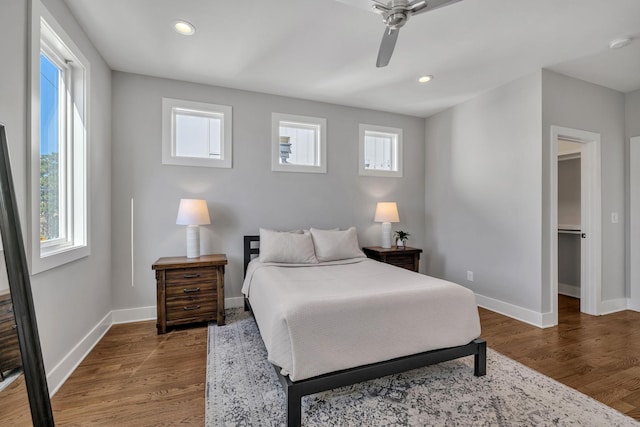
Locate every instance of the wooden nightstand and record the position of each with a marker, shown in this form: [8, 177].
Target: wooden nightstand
[408, 258]
[190, 290]
[9, 348]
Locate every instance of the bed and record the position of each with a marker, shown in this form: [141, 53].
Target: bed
[311, 317]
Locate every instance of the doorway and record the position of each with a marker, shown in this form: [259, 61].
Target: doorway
[569, 223]
[590, 214]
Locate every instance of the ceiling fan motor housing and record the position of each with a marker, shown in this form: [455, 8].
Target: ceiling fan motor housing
[396, 19]
[395, 14]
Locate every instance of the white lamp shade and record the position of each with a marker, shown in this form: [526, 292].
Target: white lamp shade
[193, 212]
[386, 212]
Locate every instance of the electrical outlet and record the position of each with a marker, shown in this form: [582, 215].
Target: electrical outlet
[470, 276]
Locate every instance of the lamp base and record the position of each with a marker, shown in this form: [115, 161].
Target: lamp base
[386, 235]
[193, 241]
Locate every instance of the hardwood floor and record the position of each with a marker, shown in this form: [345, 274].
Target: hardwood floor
[596, 355]
[134, 377]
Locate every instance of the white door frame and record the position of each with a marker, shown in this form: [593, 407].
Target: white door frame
[591, 219]
[634, 223]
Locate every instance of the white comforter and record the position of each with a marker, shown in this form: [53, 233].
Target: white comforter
[326, 317]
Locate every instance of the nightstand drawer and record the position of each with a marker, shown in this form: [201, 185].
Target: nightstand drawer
[407, 266]
[175, 290]
[9, 347]
[407, 257]
[186, 276]
[8, 342]
[6, 312]
[7, 326]
[191, 308]
[402, 260]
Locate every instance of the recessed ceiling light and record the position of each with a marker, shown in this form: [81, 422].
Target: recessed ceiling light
[183, 27]
[425, 79]
[618, 43]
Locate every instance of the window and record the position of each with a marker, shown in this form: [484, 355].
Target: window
[298, 144]
[53, 76]
[59, 219]
[380, 151]
[196, 134]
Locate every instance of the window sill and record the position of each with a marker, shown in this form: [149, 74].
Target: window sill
[43, 261]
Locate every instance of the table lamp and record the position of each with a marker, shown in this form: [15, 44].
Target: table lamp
[193, 213]
[386, 213]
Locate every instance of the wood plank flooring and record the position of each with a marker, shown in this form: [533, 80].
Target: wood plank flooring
[134, 377]
[596, 355]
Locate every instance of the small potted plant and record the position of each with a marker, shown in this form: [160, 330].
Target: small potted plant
[401, 238]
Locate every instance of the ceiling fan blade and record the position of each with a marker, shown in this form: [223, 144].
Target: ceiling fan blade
[421, 6]
[386, 46]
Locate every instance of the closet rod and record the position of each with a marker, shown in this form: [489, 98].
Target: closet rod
[564, 231]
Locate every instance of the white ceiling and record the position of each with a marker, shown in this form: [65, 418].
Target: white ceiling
[325, 50]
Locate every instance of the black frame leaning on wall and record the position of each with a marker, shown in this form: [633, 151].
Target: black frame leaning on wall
[20, 288]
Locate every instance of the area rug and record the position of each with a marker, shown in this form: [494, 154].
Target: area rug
[243, 390]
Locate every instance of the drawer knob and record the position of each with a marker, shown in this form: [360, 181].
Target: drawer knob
[190, 276]
[191, 307]
[14, 327]
[187, 291]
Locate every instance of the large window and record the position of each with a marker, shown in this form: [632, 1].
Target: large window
[59, 74]
[196, 134]
[298, 144]
[380, 151]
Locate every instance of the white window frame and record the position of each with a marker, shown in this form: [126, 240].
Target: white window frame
[364, 129]
[49, 37]
[319, 124]
[170, 106]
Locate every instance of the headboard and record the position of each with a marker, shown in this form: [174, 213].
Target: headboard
[251, 247]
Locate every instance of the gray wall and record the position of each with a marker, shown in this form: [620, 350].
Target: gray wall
[576, 104]
[69, 300]
[632, 110]
[632, 128]
[249, 195]
[488, 186]
[483, 188]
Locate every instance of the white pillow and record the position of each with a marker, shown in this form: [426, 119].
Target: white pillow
[286, 247]
[332, 245]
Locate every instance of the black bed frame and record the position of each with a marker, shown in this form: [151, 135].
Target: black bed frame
[295, 390]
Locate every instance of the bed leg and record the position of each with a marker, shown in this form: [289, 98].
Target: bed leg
[294, 408]
[246, 304]
[480, 358]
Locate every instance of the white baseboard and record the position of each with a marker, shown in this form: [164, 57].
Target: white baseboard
[541, 320]
[613, 305]
[569, 290]
[139, 314]
[633, 305]
[59, 373]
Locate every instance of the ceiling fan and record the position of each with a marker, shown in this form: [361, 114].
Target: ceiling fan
[396, 13]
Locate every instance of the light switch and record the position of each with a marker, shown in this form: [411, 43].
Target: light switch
[614, 217]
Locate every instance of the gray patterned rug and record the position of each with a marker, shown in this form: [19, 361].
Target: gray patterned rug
[243, 390]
